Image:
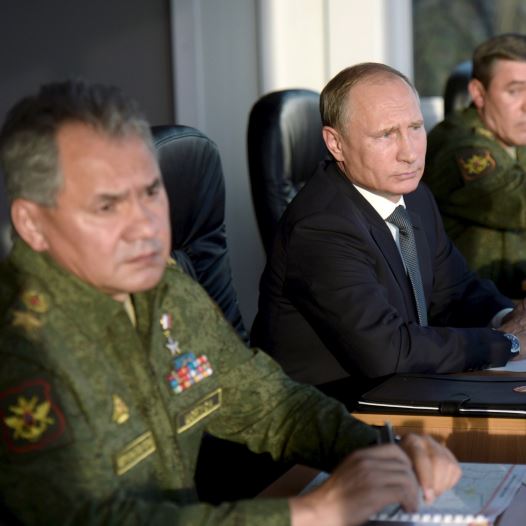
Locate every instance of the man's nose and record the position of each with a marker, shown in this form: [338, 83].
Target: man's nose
[406, 149]
[144, 222]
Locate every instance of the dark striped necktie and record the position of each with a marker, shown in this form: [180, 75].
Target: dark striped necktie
[400, 218]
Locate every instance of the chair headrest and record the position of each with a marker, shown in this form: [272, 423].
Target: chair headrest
[193, 176]
[285, 146]
[456, 95]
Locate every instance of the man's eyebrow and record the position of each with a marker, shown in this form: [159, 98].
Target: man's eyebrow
[388, 129]
[155, 183]
[109, 197]
[514, 83]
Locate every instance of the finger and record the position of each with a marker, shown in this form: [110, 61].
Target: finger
[447, 470]
[384, 472]
[416, 450]
[435, 466]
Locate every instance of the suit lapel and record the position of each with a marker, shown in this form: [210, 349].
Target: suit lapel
[379, 232]
[383, 239]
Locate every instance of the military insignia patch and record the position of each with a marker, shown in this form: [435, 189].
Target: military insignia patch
[121, 413]
[29, 417]
[475, 163]
[137, 450]
[199, 410]
[35, 301]
[27, 321]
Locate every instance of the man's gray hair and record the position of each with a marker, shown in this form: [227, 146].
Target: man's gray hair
[28, 148]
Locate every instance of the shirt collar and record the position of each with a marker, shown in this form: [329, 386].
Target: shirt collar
[382, 205]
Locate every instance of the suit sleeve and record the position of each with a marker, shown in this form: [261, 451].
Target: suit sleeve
[338, 280]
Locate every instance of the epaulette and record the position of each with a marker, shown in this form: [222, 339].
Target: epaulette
[29, 314]
[484, 132]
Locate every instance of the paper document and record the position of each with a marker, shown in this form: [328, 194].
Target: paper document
[516, 366]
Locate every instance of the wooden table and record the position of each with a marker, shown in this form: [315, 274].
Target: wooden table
[471, 439]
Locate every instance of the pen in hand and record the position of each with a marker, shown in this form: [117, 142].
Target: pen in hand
[387, 435]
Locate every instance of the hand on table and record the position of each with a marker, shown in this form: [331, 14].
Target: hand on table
[370, 479]
[515, 323]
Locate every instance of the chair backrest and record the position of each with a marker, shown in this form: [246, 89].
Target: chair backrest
[456, 95]
[193, 176]
[285, 146]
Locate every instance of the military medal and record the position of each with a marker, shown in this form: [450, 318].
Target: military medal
[187, 368]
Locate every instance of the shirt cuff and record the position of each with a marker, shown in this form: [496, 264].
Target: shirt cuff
[496, 321]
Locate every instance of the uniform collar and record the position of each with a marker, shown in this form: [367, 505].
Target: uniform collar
[83, 304]
[475, 122]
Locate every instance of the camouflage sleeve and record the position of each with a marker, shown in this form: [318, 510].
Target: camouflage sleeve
[50, 473]
[480, 184]
[293, 422]
[269, 412]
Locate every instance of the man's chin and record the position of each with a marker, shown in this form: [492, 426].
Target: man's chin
[406, 187]
[147, 280]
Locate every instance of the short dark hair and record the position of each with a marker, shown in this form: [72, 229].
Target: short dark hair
[28, 148]
[334, 96]
[508, 46]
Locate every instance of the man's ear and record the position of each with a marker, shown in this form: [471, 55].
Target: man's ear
[477, 92]
[333, 142]
[27, 220]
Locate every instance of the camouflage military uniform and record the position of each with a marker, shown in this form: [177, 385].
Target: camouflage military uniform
[481, 191]
[92, 430]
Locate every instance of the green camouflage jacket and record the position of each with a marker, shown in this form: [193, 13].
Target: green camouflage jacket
[481, 192]
[102, 422]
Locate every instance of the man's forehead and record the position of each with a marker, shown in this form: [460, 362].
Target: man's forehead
[509, 70]
[375, 100]
[102, 163]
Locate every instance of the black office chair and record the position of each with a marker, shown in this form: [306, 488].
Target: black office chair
[456, 95]
[193, 176]
[285, 146]
[192, 173]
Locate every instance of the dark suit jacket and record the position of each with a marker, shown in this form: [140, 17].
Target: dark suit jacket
[335, 299]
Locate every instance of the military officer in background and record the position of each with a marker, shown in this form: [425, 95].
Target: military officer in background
[115, 364]
[476, 166]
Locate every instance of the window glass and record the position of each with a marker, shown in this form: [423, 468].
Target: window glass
[445, 32]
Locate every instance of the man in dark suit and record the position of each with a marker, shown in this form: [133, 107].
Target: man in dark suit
[342, 303]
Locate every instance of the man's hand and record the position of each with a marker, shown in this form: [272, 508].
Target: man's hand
[515, 321]
[436, 468]
[370, 479]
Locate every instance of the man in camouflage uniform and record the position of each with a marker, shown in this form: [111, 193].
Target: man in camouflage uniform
[476, 166]
[114, 365]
